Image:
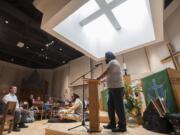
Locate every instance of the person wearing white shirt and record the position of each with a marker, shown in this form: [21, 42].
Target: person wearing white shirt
[11, 97]
[20, 114]
[73, 113]
[116, 92]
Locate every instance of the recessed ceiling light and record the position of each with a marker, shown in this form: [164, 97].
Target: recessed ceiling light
[60, 49]
[6, 21]
[20, 44]
[47, 45]
[12, 59]
[63, 61]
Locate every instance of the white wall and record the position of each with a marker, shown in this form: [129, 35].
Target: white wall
[79, 67]
[63, 76]
[173, 29]
[47, 75]
[11, 74]
[60, 82]
[49, 8]
[156, 53]
[137, 62]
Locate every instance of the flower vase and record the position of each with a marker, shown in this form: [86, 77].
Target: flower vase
[132, 121]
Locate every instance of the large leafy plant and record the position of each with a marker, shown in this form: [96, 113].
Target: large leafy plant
[133, 103]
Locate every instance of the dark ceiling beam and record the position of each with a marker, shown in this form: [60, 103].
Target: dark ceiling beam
[21, 57]
[23, 26]
[3, 57]
[43, 35]
[14, 56]
[36, 54]
[53, 50]
[6, 7]
[6, 40]
[33, 58]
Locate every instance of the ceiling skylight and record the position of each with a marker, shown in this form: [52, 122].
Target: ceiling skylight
[105, 9]
[99, 34]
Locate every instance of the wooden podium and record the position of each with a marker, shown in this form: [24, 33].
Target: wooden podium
[94, 122]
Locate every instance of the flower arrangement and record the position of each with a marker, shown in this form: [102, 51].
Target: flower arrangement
[133, 101]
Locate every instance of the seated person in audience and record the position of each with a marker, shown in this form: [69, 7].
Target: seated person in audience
[74, 112]
[68, 103]
[31, 100]
[30, 116]
[38, 101]
[20, 113]
[49, 101]
[48, 104]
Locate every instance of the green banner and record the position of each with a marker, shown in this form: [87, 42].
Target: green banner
[158, 85]
[104, 94]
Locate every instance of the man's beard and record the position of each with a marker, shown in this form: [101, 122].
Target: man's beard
[107, 61]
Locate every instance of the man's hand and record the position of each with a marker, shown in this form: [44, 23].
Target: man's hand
[98, 78]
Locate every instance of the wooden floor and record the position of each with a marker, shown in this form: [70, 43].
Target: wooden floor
[44, 128]
[62, 129]
[35, 128]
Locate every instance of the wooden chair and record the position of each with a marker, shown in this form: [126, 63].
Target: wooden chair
[48, 111]
[54, 111]
[8, 116]
[40, 111]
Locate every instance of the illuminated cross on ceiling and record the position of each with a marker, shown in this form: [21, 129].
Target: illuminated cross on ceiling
[105, 8]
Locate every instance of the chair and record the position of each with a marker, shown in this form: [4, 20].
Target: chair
[8, 116]
[48, 110]
[54, 110]
[40, 112]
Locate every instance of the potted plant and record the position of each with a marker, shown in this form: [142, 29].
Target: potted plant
[133, 103]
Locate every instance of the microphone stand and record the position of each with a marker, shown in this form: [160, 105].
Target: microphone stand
[83, 117]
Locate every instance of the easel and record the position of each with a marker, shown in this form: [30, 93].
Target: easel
[173, 56]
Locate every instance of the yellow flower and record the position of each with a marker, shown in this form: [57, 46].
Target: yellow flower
[134, 111]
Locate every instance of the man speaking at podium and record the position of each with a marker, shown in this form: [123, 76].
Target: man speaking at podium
[116, 92]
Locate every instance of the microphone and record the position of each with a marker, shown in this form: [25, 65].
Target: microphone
[98, 64]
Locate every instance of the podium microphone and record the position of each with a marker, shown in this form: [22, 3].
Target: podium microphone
[98, 64]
